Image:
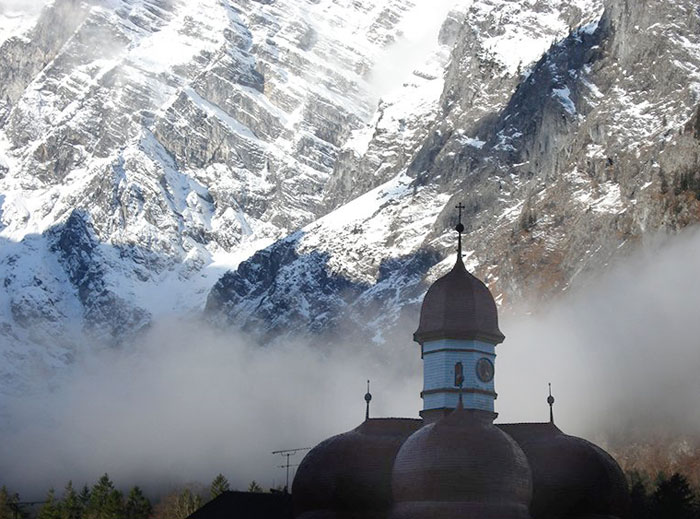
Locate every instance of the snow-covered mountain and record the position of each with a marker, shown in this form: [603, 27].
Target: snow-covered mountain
[293, 166]
[569, 130]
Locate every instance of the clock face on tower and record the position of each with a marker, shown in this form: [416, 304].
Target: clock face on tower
[484, 369]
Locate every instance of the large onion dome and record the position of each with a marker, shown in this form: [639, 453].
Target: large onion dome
[348, 476]
[461, 466]
[459, 306]
[572, 478]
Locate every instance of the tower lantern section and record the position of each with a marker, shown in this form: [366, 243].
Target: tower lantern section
[458, 333]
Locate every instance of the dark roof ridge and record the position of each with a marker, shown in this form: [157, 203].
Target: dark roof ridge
[395, 418]
[525, 423]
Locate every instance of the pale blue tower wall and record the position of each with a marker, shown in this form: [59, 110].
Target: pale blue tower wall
[439, 359]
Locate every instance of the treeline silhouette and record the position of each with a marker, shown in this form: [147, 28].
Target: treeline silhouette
[664, 497]
[660, 497]
[104, 501]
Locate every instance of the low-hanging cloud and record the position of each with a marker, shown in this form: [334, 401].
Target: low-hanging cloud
[623, 354]
[188, 402]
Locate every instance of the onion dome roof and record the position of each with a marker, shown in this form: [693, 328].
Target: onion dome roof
[459, 306]
[461, 466]
[349, 475]
[571, 476]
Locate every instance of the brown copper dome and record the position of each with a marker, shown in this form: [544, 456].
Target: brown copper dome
[571, 476]
[348, 476]
[459, 306]
[461, 466]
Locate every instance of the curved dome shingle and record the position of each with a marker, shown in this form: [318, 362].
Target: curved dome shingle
[459, 306]
[349, 475]
[461, 466]
[572, 477]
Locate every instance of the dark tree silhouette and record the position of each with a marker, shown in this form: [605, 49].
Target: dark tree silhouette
[72, 507]
[52, 508]
[640, 503]
[7, 501]
[137, 505]
[219, 486]
[84, 496]
[673, 498]
[254, 487]
[105, 501]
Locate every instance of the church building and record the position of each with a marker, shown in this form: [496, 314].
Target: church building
[454, 462]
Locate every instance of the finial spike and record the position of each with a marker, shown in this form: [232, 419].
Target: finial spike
[550, 401]
[368, 399]
[460, 229]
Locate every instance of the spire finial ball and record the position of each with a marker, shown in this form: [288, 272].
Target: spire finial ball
[460, 228]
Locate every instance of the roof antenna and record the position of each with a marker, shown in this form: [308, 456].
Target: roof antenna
[368, 399]
[460, 229]
[550, 401]
[459, 381]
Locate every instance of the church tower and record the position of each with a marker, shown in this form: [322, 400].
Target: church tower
[458, 334]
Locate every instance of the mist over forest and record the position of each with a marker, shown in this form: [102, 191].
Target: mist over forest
[189, 402]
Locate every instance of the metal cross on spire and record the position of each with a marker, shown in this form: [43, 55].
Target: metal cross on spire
[460, 229]
[550, 401]
[368, 399]
[460, 207]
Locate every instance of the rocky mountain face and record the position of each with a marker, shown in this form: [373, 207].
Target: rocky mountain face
[568, 129]
[147, 146]
[292, 167]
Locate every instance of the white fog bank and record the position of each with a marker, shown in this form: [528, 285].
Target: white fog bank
[188, 402]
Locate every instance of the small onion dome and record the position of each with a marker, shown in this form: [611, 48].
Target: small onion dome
[461, 466]
[349, 475]
[459, 306]
[571, 476]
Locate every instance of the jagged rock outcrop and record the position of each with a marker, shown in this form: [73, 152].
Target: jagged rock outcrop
[106, 314]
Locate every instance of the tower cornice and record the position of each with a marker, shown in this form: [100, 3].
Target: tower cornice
[459, 335]
[466, 390]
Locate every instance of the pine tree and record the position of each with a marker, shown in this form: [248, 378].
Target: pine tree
[219, 486]
[9, 505]
[84, 497]
[71, 507]
[6, 503]
[98, 498]
[105, 501]
[640, 502]
[114, 507]
[137, 505]
[254, 487]
[673, 498]
[51, 509]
